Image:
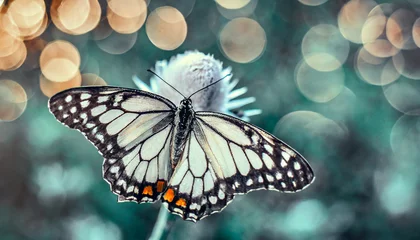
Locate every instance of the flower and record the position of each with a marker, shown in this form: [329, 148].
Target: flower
[193, 70]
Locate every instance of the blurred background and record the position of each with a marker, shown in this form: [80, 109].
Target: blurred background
[338, 80]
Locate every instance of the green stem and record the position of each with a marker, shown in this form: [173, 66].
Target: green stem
[163, 225]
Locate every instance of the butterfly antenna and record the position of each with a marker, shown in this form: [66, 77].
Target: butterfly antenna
[166, 82]
[227, 75]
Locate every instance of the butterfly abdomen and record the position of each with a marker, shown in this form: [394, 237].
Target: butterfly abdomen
[183, 124]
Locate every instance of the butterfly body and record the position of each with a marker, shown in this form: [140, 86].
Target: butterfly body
[195, 162]
[184, 117]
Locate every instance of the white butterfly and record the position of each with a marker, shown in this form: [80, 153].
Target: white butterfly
[194, 162]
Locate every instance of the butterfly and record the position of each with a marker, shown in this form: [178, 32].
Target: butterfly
[195, 162]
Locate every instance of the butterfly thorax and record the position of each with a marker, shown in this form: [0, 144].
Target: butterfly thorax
[183, 123]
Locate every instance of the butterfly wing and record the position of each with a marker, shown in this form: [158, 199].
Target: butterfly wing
[132, 131]
[226, 156]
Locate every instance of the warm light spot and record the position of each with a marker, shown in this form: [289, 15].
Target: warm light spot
[169, 195]
[181, 202]
[160, 186]
[60, 61]
[233, 4]
[26, 13]
[8, 43]
[399, 29]
[126, 23]
[352, 17]
[41, 29]
[148, 191]
[242, 40]
[416, 32]
[373, 33]
[69, 18]
[166, 28]
[245, 11]
[127, 8]
[13, 100]
[15, 59]
[90, 79]
[73, 13]
[49, 88]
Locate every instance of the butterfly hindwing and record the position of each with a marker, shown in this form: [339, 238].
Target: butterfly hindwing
[130, 128]
[237, 157]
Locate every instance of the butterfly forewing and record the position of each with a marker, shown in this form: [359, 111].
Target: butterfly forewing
[131, 129]
[227, 156]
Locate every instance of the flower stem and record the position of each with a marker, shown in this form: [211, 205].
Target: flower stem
[163, 225]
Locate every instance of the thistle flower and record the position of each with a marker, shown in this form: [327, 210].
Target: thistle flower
[193, 70]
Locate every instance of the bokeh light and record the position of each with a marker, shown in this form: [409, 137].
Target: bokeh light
[126, 17]
[319, 86]
[373, 33]
[406, 62]
[399, 29]
[303, 127]
[324, 48]
[416, 32]
[60, 61]
[75, 17]
[313, 2]
[49, 88]
[404, 95]
[352, 17]
[185, 6]
[232, 4]
[244, 11]
[13, 100]
[117, 43]
[242, 40]
[15, 59]
[166, 28]
[375, 70]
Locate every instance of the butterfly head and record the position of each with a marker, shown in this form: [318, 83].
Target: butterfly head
[186, 102]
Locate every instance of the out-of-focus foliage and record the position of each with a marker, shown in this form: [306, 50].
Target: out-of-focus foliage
[338, 80]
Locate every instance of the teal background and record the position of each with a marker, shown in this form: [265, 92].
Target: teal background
[367, 169]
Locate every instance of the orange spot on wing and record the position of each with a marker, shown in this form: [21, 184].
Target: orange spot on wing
[169, 195]
[181, 202]
[160, 186]
[148, 191]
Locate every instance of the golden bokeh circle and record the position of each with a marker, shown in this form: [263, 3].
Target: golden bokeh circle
[166, 28]
[233, 4]
[127, 8]
[59, 61]
[15, 59]
[127, 23]
[13, 100]
[49, 88]
[399, 29]
[242, 40]
[352, 17]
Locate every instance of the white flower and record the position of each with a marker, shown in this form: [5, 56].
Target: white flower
[193, 70]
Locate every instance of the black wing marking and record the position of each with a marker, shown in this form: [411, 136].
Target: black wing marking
[130, 128]
[234, 157]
